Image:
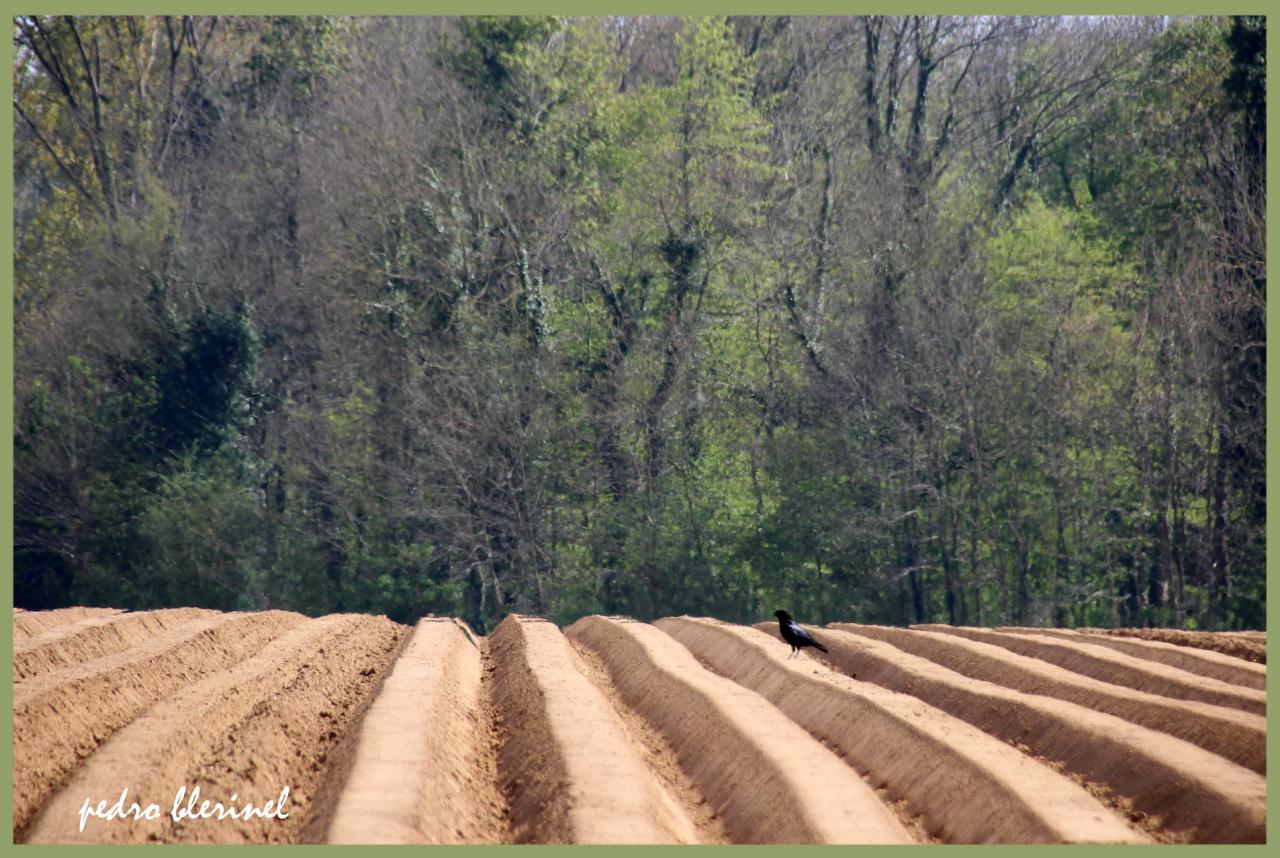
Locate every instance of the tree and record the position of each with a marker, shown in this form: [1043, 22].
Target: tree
[907, 319]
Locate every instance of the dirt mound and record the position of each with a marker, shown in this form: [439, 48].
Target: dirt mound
[1250, 646]
[1118, 668]
[1200, 661]
[968, 787]
[28, 624]
[94, 637]
[61, 717]
[779, 785]
[566, 767]
[424, 732]
[266, 723]
[352, 728]
[1238, 736]
[658, 753]
[1180, 788]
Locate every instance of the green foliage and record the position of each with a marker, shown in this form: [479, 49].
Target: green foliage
[1246, 85]
[493, 49]
[108, 460]
[1055, 284]
[292, 56]
[645, 316]
[200, 540]
[1134, 154]
[203, 380]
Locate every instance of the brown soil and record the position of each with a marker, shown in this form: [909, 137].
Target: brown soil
[1194, 793]
[686, 731]
[239, 735]
[565, 765]
[1236, 735]
[425, 734]
[61, 717]
[94, 637]
[1118, 668]
[1250, 646]
[658, 754]
[1200, 661]
[967, 786]
[779, 785]
[28, 624]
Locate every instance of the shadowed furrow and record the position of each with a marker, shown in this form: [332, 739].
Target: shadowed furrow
[1236, 735]
[769, 780]
[60, 717]
[95, 637]
[1193, 793]
[250, 730]
[1204, 662]
[968, 786]
[1114, 667]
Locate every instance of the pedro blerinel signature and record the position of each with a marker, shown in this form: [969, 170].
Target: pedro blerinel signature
[185, 806]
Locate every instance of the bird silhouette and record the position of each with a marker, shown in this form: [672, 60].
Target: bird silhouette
[794, 635]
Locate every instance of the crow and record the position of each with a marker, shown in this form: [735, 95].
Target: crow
[794, 635]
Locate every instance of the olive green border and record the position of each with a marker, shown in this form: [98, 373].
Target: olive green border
[565, 7]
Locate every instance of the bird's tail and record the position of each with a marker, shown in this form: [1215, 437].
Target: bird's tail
[820, 646]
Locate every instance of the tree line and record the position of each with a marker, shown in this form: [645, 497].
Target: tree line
[905, 319]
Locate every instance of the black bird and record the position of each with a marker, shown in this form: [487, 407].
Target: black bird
[794, 635]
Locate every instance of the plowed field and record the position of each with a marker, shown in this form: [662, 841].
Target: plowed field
[354, 729]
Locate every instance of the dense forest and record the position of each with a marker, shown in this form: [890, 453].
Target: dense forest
[896, 319]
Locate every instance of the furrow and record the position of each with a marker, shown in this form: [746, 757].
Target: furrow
[1118, 668]
[239, 735]
[768, 779]
[1238, 736]
[1183, 789]
[424, 733]
[1203, 662]
[1247, 647]
[968, 786]
[28, 624]
[95, 637]
[60, 717]
[566, 767]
